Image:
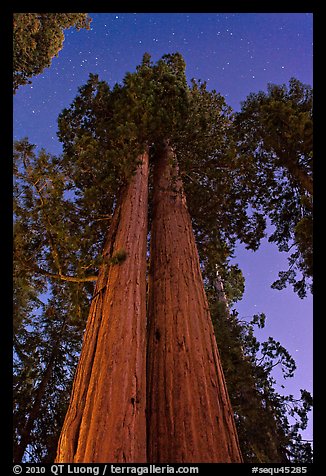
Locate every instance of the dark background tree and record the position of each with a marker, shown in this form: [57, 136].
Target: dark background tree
[46, 351]
[52, 288]
[249, 371]
[273, 134]
[38, 37]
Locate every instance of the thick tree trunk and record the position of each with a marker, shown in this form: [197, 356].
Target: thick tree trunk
[106, 420]
[189, 416]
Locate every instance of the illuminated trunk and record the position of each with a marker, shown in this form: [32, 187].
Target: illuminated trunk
[106, 420]
[189, 416]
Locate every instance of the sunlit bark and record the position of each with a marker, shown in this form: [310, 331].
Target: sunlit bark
[190, 418]
[106, 419]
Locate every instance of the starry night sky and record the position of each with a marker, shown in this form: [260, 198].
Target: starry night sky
[236, 53]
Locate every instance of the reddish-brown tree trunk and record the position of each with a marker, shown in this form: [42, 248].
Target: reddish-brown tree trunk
[189, 416]
[106, 420]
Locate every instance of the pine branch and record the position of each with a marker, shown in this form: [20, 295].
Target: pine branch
[48, 224]
[60, 276]
[73, 279]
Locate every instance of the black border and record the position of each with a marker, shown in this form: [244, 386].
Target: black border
[313, 7]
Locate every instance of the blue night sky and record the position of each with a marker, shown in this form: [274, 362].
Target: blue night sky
[236, 53]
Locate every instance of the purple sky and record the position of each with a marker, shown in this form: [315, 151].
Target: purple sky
[236, 53]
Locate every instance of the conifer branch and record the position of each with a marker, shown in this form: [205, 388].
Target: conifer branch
[48, 224]
[60, 276]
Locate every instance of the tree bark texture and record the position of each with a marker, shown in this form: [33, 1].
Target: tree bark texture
[189, 415]
[106, 420]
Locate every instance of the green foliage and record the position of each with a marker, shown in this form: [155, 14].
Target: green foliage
[234, 283]
[274, 142]
[118, 257]
[38, 37]
[104, 131]
[53, 236]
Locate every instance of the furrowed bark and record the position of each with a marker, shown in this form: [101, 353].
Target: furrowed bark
[189, 415]
[106, 420]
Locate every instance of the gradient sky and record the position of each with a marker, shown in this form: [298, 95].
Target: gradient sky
[236, 53]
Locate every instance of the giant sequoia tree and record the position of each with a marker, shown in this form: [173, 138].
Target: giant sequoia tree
[152, 135]
[157, 101]
[189, 412]
[106, 416]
